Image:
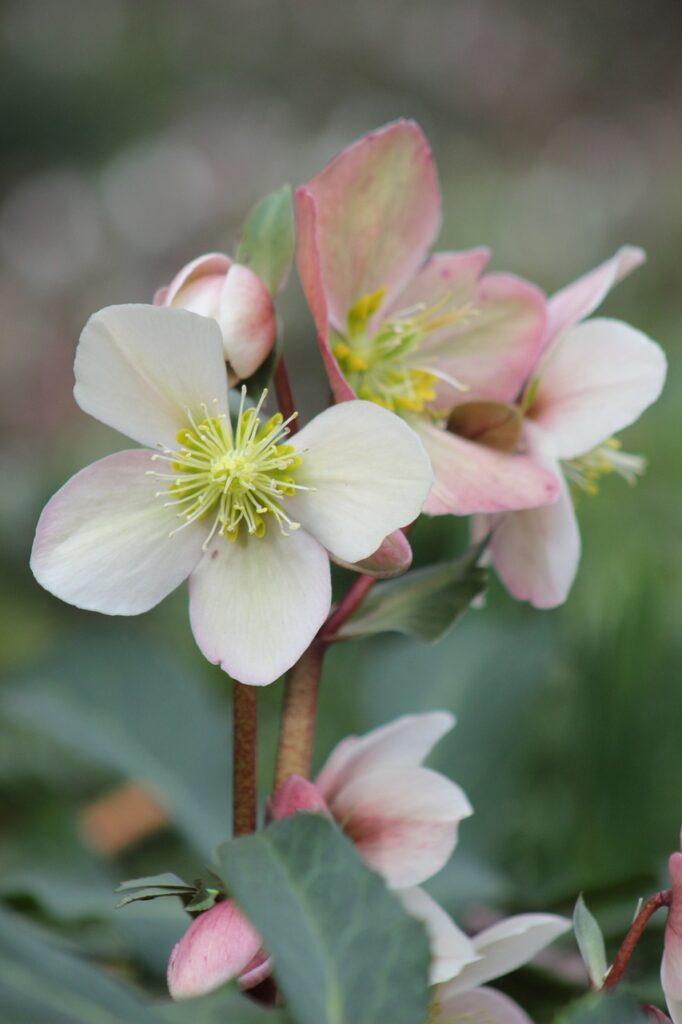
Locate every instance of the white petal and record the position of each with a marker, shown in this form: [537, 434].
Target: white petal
[536, 552]
[103, 541]
[138, 368]
[256, 603]
[597, 379]
[403, 821]
[580, 298]
[450, 948]
[370, 476]
[480, 1006]
[508, 945]
[402, 743]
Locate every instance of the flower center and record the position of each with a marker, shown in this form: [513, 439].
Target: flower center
[240, 476]
[383, 367]
[586, 471]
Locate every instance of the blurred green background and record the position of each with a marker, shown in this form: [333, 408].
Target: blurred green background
[136, 136]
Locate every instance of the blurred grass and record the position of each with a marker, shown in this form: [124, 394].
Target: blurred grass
[135, 137]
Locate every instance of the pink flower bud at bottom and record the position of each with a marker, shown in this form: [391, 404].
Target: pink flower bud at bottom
[219, 945]
[297, 794]
[653, 1013]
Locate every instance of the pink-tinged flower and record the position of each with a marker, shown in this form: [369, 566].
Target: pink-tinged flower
[247, 512]
[403, 818]
[218, 946]
[671, 967]
[653, 1013]
[417, 335]
[235, 296]
[593, 380]
[461, 965]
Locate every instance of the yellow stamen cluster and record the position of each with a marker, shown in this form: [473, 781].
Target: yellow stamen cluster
[382, 367]
[586, 471]
[240, 475]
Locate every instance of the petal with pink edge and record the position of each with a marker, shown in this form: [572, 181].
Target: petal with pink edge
[405, 742]
[450, 948]
[577, 300]
[378, 213]
[536, 552]
[403, 821]
[493, 348]
[367, 472]
[481, 1004]
[445, 283]
[392, 558]
[470, 477]
[310, 273]
[104, 542]
[210, 265]
[257, 602]
[597, 379]
[139, 368]
[217, 946]
[508, 945]
[247, 320]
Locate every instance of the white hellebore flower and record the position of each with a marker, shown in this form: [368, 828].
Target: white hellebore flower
[250, 514]
[461, 966]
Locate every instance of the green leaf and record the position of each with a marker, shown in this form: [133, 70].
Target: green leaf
[344, 949]
[422, 604]
[268, 238]
[153, 886]
[43, 979]
[602, 1008]
[590, 942]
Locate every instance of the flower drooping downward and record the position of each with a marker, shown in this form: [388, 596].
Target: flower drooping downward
[249, 513]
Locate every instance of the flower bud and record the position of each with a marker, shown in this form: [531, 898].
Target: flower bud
[235, 296]
[219, 945]
[294, 795]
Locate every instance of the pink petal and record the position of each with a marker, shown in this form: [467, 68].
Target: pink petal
[451, 274]
[258, 970]
[310, 273]
[403, 821]
[391, 558]
[247, 320]
[405, 742]
[294, 795]
[378, 212]
[596, 379]
[577, 300]
[492, 351]
[653, 1013]
[256, 603]
[536, 552]
[671, 967]
[470, 477]
[104, 540]
[217, 946]
[212, 264]
[484, 1004]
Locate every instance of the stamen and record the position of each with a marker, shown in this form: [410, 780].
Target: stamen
[585, 472]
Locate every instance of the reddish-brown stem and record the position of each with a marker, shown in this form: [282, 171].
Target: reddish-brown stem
[351, 600]
[244, 735]
[285, 398]
[661, 899]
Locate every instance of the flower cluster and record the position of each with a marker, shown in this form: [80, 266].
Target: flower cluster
[403, 819]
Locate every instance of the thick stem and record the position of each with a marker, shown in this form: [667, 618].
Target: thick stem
[244, 736]
[661, 899]
[285, 398]
[297, 731]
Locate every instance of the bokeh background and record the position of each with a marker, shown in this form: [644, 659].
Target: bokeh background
[136, 136]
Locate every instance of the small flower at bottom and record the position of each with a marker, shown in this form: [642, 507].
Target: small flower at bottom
[249, 513]
[402, 817]
[218, 946]
[236, 298]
